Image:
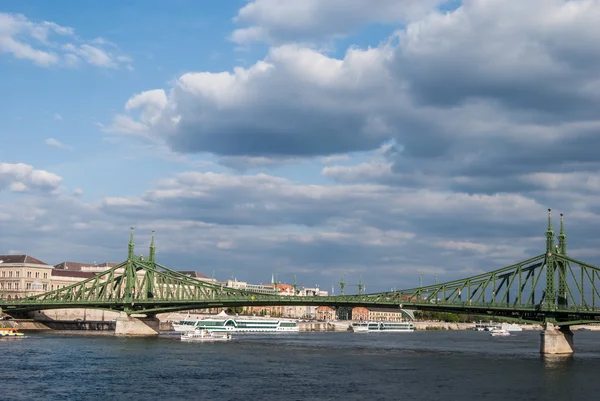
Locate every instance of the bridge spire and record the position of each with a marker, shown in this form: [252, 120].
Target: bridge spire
[295, 286]
[550, 292]
[151, 256]
[562, 237]
[549, 234]
[361, 286]
[342, 284]
[131, 246]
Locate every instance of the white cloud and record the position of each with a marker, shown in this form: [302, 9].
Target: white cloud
[18, 177]
[334, 159]
[250, 111]
[55, 143]
[277, 21]
[49, 44]
[18, 187]
[58, 117]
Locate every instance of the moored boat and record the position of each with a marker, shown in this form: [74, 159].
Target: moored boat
[511, 327]
[383, 327]
[10, 332]
[499, 333]
[203, 335]
[360, 327]
[223, 323]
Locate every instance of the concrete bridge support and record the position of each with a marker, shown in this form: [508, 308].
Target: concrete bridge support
[127, 325]
[556, 340]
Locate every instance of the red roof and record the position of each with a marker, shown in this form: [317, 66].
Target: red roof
[72, 273]
[79, 265]
[193, 273]
[21, 259]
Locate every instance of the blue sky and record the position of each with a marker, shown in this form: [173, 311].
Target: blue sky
[320, 137]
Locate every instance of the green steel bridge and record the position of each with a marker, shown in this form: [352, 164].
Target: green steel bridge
[548, 288]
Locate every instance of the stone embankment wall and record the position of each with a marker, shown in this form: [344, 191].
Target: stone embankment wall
[443, 326]
[74, 314]
[323, 326]
[461, 326]
[24, 325]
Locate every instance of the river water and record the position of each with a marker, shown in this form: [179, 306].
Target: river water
[436, 365]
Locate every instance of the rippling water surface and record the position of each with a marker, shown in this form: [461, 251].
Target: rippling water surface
[439, 365]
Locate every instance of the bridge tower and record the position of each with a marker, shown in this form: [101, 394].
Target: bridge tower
[361, 286]
[550, 293]
[562, 268]
[130, 272]
[152, 268]
[295, 286]
[126, 324]
[342, 285]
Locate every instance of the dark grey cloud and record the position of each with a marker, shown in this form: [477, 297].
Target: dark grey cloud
[475, 98]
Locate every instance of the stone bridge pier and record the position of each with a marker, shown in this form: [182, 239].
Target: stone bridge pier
[136, 325]
[556, 340]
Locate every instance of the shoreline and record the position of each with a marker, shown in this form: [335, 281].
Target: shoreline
[72, 321]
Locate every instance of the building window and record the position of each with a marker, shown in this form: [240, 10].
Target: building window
[9, 274]
[45, 275]
[37, 274]
[28, 286]
[28, 274]
[17, 274]
[3, 274]
[1, 286]
[45, 287]
[9, 286]
[52, 288]
[16, 286]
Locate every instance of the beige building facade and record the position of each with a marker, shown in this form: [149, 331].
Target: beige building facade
[23, 275]
[361, 313]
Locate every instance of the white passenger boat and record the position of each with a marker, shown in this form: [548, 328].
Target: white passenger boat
[203, 335]
[499, 333]
[223, 323]
[383, 327]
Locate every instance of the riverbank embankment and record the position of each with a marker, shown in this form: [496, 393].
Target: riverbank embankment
[90, 319]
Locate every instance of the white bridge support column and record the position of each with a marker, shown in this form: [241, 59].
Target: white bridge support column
[556, 340]
[136, 325]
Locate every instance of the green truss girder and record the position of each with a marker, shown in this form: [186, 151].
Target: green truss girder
[525, 291]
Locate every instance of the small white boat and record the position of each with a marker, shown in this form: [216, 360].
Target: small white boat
[360, 327]
[203, 335]
[499, 333]
[511, 327]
